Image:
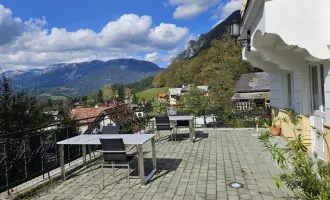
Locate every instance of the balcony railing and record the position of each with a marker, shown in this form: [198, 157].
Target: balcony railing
[223, 115]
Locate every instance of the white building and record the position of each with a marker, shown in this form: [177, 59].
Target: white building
[290, 40]
[175, 93]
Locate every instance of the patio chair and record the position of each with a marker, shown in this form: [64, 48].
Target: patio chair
[114, 154]
[182, 123]
[110, 130]
[163, 124]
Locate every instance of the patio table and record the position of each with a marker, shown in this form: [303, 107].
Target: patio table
[180, 118]
[132, 139]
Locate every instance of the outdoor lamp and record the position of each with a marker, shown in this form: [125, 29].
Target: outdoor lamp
[235, 29]
[235, 33]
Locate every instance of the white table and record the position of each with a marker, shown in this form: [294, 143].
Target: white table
[180, 118]
[133, 139]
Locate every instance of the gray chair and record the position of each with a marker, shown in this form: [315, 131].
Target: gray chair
[163, 124]
[114, 154]
[182, 123]
[110, 130]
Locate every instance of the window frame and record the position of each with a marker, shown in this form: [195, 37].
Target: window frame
[290, 89]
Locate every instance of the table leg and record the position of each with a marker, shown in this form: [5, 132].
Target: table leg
[84, 154]
[137, 150]
[89, 153]
[141, 165]
[154, 158]
[153, 127]
[62, 162]
[192, 130]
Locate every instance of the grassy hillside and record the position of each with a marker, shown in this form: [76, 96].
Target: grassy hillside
[151, 93]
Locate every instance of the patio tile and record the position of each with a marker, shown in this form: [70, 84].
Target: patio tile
[198, 171]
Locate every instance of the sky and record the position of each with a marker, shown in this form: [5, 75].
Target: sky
[38, 33]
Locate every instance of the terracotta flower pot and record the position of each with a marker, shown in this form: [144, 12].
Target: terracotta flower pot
[275, 131]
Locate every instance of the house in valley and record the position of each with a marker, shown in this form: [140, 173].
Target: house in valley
[252, 90]
[294, 49]
[86, 116]
[162, 97]
[175, 93]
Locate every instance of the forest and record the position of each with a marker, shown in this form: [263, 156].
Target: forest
[218, 67]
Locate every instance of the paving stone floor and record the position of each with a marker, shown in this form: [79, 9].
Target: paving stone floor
[200, 170]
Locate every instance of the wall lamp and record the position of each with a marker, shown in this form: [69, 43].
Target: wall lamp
[235, 33]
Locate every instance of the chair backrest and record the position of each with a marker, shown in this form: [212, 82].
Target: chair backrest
[183, 113]
[183, 122]
[110, 130]
[163, 123]
[115, 148]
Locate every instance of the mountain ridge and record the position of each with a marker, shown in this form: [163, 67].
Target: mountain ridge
[204, 40]
[78, 79]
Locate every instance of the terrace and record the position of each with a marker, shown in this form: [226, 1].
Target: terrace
[186, 170]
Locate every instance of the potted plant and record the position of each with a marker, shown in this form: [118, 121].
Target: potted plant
[273, 128]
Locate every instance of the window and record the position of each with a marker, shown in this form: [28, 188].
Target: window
[315, 88]
[322, 88]
[289, 79]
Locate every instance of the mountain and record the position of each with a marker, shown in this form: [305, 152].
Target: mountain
[76, 79]
[204, 40]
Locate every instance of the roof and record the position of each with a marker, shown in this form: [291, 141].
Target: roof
[120, 114]
[251, 95]
[253, 82]
[82, 113]
[162, 95]
[174, 91]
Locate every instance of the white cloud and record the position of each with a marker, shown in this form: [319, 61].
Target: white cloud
[152, 57]
[29, 45]
[189, 9]
[10, 28]
[163, 59]
[224, 10]
[167, 36]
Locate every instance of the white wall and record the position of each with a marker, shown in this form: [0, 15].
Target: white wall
[275, 90]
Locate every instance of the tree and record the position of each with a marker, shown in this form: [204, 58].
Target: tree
[128, 93]
[219, 67]
[95, 96]
[120, 93]
[107, 93]
[159, 80]
[67, 105]
[42, 104]
[18, 109]
[135, 99]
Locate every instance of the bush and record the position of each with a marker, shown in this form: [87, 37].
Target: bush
[308, 177]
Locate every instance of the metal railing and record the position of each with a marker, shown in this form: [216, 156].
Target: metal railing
[226, 115]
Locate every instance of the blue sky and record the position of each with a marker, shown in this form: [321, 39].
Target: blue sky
[37, 33]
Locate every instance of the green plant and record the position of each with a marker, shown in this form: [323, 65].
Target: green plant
[307, 176]
[272, 122]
